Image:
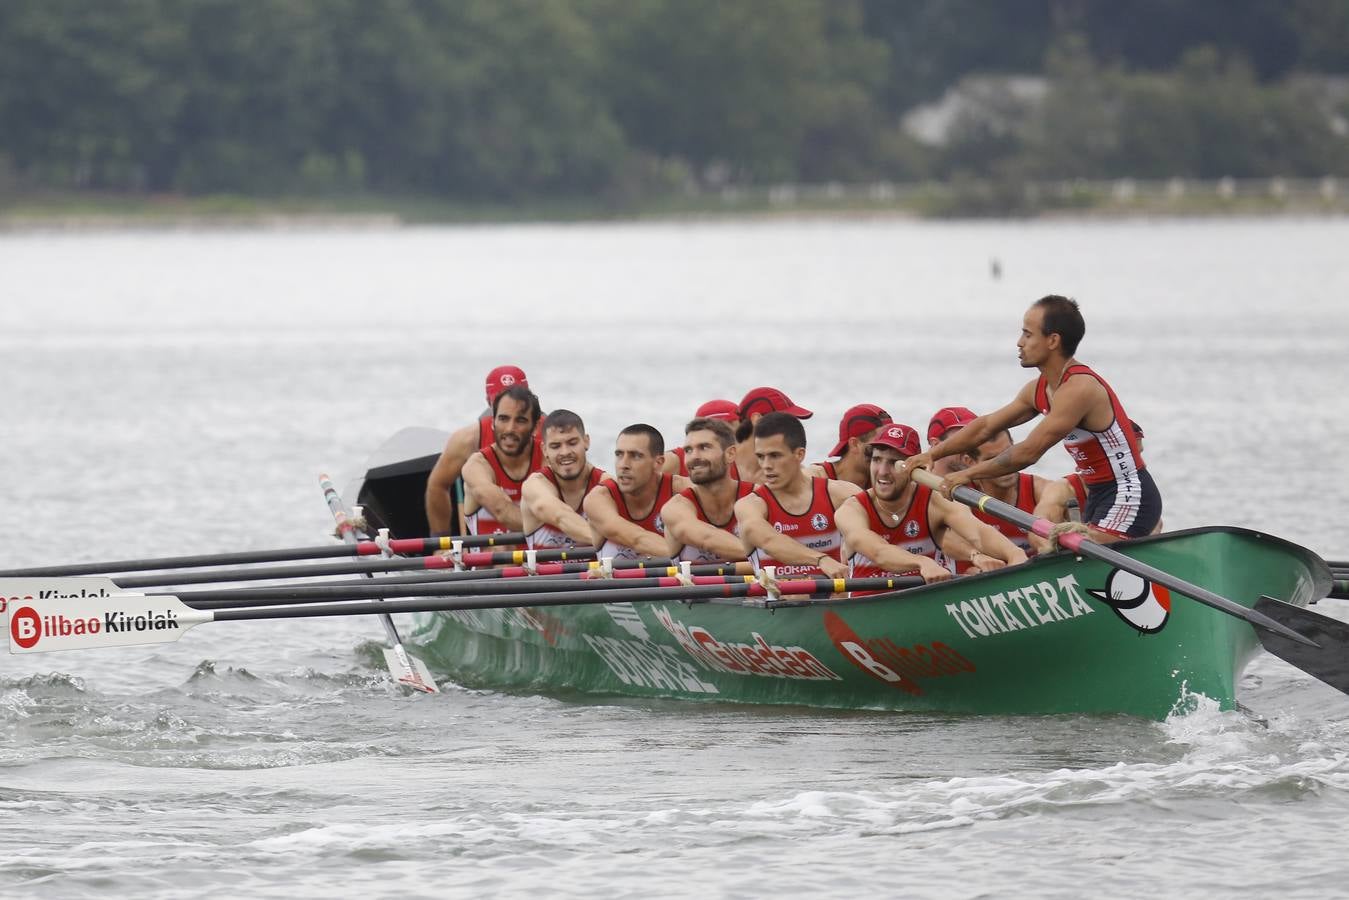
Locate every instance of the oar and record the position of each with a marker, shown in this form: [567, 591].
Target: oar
[417, 546]
[101, 619]
[1317, 644]
[360, 566]
[1339, 588]
[415, 673]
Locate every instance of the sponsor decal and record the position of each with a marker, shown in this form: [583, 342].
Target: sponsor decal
[645, 664]
[1029, 606]
[625, 616]
[884, 660]
[1142, 605]
[819, 522]
[758, 657]
[660, 524]
[28, 627]
[785, 526]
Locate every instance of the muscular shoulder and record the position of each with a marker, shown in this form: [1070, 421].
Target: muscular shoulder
[842, 490]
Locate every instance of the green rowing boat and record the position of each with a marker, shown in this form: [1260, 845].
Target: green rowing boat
[1061, 634]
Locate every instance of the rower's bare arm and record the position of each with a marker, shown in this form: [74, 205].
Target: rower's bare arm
[757, 533]
[984, 538]
[858, 537]
[443, 476]
[813, 471]
[480, 481]
[1020, 411]
[605, 521]
[1073, 402]
[540, 495]
[671, 464]
[1051, 502]
[841, 491]
[684, 528]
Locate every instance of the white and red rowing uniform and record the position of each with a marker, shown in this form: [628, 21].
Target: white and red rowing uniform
[683, 463]
[550, 537]
[651, 521]
[815, 528]
[481, 520]
[1024, 501]
[1121, 496]
[697, 554]
[830, 469]
[910, 532]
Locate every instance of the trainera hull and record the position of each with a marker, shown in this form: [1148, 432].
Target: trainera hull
[1058, 635]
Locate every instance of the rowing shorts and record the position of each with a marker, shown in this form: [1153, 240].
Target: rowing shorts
[1129, 510]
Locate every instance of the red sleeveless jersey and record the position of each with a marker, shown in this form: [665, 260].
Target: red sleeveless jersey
[481, 520]
[683, 463]
[815, 528]
[911, 532]
[830, 470]
[698, 554]
[1025, 501]
[1101, 456]
[1079, 491]
[547, 537]
[651, 521]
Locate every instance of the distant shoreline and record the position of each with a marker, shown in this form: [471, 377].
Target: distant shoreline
[1119, 199]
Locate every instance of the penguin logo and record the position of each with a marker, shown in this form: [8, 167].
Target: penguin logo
[1142, 605]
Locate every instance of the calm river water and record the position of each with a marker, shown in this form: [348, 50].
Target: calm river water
[174, 393]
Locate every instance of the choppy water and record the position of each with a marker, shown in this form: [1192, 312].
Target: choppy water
[170, 393]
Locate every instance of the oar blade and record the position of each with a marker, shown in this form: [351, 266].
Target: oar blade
[414, 673]
[42, 619]
[1328, 660]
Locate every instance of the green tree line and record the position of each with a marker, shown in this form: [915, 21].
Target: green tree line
[504, 100]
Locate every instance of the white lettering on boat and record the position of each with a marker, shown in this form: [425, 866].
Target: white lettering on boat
[647, 664]
[757, 658]
[1028, 606]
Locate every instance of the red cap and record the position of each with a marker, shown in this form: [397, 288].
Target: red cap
[503, 377]
[718, 409]
[767, 400]
[945, 419]
[897, 437]
[857, 421]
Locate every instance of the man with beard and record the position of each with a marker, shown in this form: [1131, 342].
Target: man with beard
[858, 425]
[550, 506]
[898, 525]
[624, 510]
[700, 523]
[494, 476]
[1081, 410]
[724, 410]
[788, 521]
[460, 446]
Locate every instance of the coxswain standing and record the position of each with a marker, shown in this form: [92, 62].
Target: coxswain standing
[494, 476]
[723, 410]
[624, 509]
[800, 544]
[461, 445]
[550, 504]
[1081, 410]
[700, 523]
[757, 403]
[855, 431]
[899, 526]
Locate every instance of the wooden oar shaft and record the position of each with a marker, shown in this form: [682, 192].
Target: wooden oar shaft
[1080, 544]
[245, 557]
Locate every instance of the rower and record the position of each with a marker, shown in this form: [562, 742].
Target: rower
[624, 509]
[1019, 489]
[550, 503]
[494, 476]
[461, 445]
[756, 403]
[724, 410]
[1081, 410]
[900, 526]
[799, 544]
[945, 423]
[855, 431]
[700, 524]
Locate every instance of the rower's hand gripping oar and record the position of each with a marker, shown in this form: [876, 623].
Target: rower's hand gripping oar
[1316, 644]
[415, 674]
